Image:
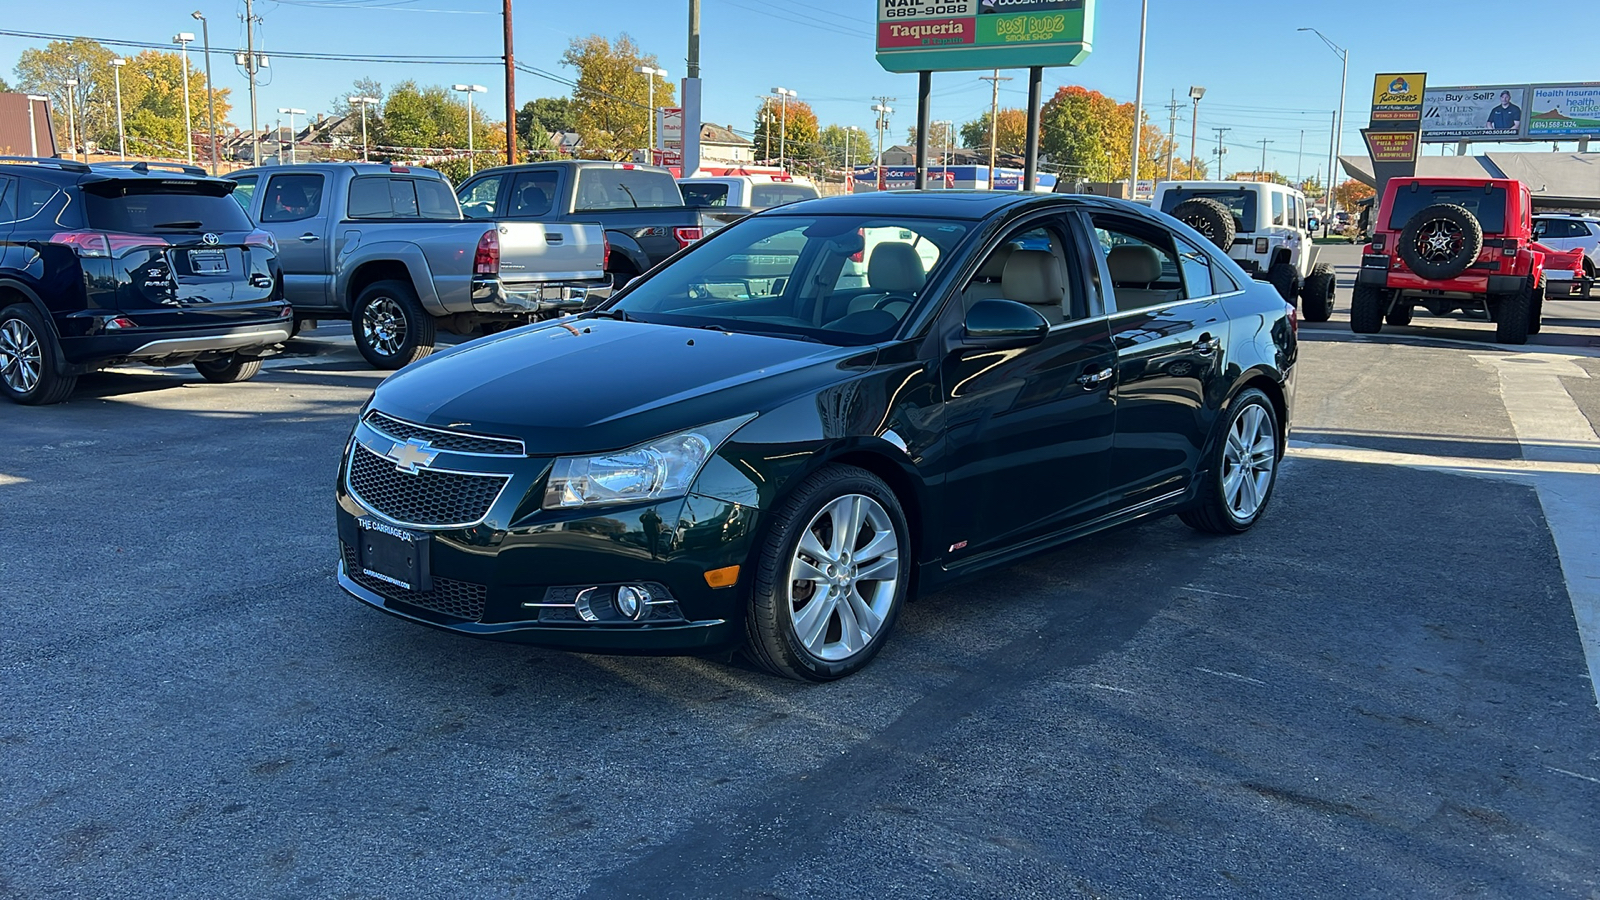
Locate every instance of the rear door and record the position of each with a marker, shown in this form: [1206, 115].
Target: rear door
[294, 210]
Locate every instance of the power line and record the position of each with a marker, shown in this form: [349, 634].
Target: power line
[422, 59]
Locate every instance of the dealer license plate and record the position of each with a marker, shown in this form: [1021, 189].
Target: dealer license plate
[394, 555]
[208, 262]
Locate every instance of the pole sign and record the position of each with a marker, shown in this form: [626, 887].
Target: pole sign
[956, 35]
[1564, 111]
[1398, 98]
[1491, 113]
[1394, 130]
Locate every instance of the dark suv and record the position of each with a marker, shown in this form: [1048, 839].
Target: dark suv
[113, 263]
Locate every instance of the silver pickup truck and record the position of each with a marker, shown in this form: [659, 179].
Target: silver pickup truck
[387, 248]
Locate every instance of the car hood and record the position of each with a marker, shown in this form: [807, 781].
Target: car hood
[586, 385]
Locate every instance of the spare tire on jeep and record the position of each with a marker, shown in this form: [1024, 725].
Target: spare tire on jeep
[1440, 241]
[1213, 220]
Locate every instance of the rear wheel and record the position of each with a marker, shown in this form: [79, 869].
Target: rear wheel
[229, 369]
[1316, 298]
[1285, 279]
[1366, 309]
[30, 364]
[391, 327]
[1536, 311]
[1512, 313]
[1243, 470]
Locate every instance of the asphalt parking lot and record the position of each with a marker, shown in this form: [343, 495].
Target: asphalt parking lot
[1381, 690]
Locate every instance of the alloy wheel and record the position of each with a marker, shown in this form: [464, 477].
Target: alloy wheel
[383, 324]
[20, 356]
[1439, 240]
[1248, 462]
[843, 577]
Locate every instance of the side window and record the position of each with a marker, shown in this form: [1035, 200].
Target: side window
[291, 198]
[435, 200]
[479, 199]
[1277, 207]
[32, 196]
[8, 200]
[1142, 261]
[1196, 270]
[245, 190]
[533, 193]
[1031, 265]
[379, 197]
[403, 198]
[1294, 211]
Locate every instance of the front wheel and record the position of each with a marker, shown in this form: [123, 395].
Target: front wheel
[1366, 309]
[1243, 469]
[1316, 298]
[830, 578]
[229, 369]
[391, 327]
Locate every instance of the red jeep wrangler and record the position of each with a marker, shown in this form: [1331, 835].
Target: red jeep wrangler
[1452, 243]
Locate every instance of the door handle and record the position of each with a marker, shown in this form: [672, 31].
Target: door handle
[1092, 380]
[308, 237]
[1206, 346]
[552, 238]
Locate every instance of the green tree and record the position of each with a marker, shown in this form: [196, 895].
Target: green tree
[940, 136]
[541, 117]
[47, 70]
[796, 124]
[835, 138]
[4, 88]
[1012, 136]
[152, 103]
[362, 87]
[611, 100]
[429, 118]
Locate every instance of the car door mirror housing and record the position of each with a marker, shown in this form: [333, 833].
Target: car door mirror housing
[1003, 324]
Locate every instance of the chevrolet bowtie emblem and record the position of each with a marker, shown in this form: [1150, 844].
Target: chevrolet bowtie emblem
[412, 455]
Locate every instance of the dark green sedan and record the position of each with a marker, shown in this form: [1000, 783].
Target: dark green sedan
[769, 439]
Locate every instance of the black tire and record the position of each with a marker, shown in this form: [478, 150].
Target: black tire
[1536, 311]
[770, 629]
[1453, 225]
[1284, 277]
[1316, 297]
[32, 369]
[1588, 267]
[1400, 312]
[1512, 314]
[1214, 511]
[230, 369]
[1210, 218]
[1366, 309]
[398, 332]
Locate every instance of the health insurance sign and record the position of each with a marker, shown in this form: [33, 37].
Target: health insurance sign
[1564, 111]
[953, 35]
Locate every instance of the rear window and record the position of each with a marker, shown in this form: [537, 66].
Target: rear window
[137, 207]
[1487, 206]
[1241, 203]
[704, 194]
[766, 196]
[603, 188]
[380, 197]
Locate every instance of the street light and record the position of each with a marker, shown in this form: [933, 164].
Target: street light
[1338, 123]
[291, 112]
[945, 151]
[184, 39]
[849, 173]
[1138, 105]
[469, 90]
[363, 102]
[651, 72]
[783, 124]
[1195, 93]
[211, 99]
[122, 135]
[72, 126]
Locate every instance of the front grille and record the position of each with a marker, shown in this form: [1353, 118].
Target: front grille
[458, 599]
[441, 439]
[429, 498]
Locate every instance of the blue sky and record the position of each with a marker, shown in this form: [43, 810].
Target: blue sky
[1263, 79]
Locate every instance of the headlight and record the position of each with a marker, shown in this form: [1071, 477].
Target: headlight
[661, 469]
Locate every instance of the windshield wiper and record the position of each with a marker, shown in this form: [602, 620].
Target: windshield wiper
[630, 195]
[183, 225]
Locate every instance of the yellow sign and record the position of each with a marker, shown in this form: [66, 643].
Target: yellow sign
[1398, 97]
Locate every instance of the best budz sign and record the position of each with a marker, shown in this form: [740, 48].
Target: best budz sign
[947, 35]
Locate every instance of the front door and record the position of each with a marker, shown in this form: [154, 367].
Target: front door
[1029, 431]
[1169, 329]
[294, 209]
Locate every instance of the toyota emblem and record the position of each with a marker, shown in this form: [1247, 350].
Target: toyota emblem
[210, 237]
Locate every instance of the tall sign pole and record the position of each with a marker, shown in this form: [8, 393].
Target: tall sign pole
[924, 117]
[691, 96]
[1030, 163]
[1138, 103]
[511, 90]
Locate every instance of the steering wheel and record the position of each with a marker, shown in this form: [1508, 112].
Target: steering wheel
[893, 298]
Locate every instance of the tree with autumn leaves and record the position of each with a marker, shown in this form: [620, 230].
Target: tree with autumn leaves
[611, 100]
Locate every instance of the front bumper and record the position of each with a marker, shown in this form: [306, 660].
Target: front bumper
[542, 299]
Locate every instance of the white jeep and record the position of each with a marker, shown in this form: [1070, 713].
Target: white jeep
[1261, 226]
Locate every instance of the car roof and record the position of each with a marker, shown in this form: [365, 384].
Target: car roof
[360, 168]
[940, 204]
[62, 172]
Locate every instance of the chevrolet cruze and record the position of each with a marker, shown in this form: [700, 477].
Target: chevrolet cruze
[770, 440]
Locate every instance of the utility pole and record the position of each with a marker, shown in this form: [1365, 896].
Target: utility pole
[883, 109]
[1138, 106]
[994, 119]
[1172, 131]
[1263, 142]
[1300, 161]
[1220, 151]
[184, 39]
[250, 69]
[511, 90]
[211, 97]
[1195, 93]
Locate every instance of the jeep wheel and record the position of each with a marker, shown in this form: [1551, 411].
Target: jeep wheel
[1366, 309]
[30, 363]
[1536, 310]
[391, 327]
[1210, 218]
[1440, 241]
[1512, 314]
[1316, 296]
[1400, 312]
[1283, 277]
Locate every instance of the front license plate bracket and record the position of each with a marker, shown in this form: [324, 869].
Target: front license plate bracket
[394, 555]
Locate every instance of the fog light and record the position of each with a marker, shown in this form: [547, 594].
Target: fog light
[633, 602]
[581, 605]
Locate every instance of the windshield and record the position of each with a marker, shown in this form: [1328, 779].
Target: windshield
[1241, 203]
[835, 279]
[704, 194]
[1489, 207]
[602, 187]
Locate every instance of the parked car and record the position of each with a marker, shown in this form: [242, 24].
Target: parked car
[1569, 231]
[749, 191]
[1452, 243]
[387, 248]
[1264, 227]
[775, 468]
[641, 207]
[140, 263]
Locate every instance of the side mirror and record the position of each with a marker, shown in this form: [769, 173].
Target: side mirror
[1003, 325]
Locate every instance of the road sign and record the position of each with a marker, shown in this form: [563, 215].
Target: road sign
[670, 124]
[952, 35]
